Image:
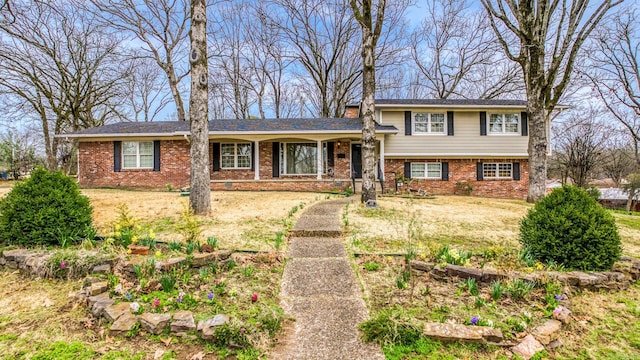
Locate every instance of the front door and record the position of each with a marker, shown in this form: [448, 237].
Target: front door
[356, 160]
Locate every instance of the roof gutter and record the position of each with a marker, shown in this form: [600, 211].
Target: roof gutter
[214, 133]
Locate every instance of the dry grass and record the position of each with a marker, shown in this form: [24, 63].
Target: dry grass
[471, 223]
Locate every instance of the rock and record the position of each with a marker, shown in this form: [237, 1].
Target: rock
[206, 248]
[124, 324]
[114, 312]
[97, 309]
[98, 288]
[489, 276]
[464, 272]
[439, 272]
[223, 254]
[207, 327]
[17, 255]
[547, 332]
[422, 265]
[154, 323]
[586, 280]
[182, 322]
[462, 333]
[564, 316]
[94, 299]
[102, 269]
[203, 259]
[3, 261]
[528, 347]
[554, 344]
[12, 265]
[170, 264]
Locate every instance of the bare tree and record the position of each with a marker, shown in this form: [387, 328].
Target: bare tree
[200, 196]
[370, 17]
[61, 69]
[456, 56]
[146, 90]
[580, 145]
[544, 37]
[619, 160]
[162, 27]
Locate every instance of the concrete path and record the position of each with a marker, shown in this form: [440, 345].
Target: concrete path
[319, 289]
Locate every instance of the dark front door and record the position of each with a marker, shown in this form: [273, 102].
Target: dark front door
[356, 160]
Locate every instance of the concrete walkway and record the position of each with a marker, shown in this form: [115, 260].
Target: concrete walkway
[319, 289]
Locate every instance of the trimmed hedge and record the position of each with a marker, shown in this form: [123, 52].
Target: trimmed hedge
[46, 209]
[569, 227]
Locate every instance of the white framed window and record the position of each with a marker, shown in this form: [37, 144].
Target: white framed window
[302, 158]
[497, 170]
[235, 155]
[429, 123]
[430, 170]
[137, 154]
[504, 124]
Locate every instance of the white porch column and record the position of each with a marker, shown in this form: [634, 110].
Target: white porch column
[382, 157]
[256, 156]
[319, 159]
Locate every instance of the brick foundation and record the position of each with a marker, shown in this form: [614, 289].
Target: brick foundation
[462, 170]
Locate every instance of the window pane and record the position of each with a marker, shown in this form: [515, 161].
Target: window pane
[228, 161]
[227, 149]
[495, 123]
[129, 148]
[146, 148]
[244, 161]
[301, 158]
[437, 123]
[417, 170]
[504, 170]
[421, 122]
[511, 123]
[146, 161]
[129, 161]
[434, 170]
[489, 170]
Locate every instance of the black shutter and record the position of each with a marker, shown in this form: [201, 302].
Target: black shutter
[407, 170]
[479, 172]
[445, 171]
[117, 155]
[276, 159]
[483, 123]
[450, 123]
[253, 156]
[330, 161]
[524, 123]
[407, 122]
[216, 156]
[156, 155]
[516, 171]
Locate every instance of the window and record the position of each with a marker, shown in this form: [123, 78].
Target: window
[497, 170]
[504, 124]
[427, 123]
[137, 155]
[235, 156]
[301, 158]
[426, 170]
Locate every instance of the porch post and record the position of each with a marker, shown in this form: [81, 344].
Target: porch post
[319, 159]
[256, 156]
[382, 157]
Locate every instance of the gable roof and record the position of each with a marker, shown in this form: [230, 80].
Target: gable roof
[453, 102]
[231, 126]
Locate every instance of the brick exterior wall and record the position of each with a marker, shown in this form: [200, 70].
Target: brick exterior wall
[462, 170]
[96, 167]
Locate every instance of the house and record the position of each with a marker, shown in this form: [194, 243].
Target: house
[435, 146]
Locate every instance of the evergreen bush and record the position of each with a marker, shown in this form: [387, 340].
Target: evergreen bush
[46, 209]
[569, 227]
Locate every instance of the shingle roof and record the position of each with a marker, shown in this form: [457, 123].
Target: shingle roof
[452, 102]
[255, 126]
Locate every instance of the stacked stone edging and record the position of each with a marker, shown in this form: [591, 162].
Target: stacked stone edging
[623, 275]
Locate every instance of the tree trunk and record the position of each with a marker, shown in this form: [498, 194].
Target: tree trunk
[538, 141]
[199, 112]
[368, 121]
[177, 98]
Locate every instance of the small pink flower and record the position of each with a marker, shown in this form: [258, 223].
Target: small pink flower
[242, 330]
[557, 311]
[254, 297]
[156, 303]
[63, 265]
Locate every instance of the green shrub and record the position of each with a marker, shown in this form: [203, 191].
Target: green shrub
[46, 209]
[570, 228]
[391, 327]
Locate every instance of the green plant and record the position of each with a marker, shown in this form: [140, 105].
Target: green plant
[480, 302]
[279, 239]
[462, 188]
[190, 247]
[472, 286]
[134, 331]
[169, 187]
[453, 256]
[371, 266]
[43, 209]
[175, 245]
[138, 270]
[168, 283]
[213, 242]
[248, 271]
[496, 290]
[231, 264]
[518, 288]
[189, 225]
[570, 228]
[392, 326]
[270, 319]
